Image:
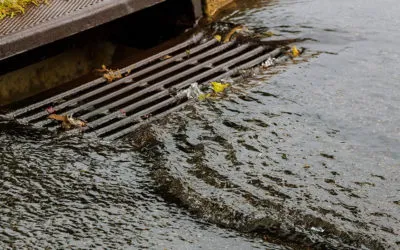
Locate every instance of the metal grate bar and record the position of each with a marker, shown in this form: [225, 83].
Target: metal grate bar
[178, 86]
[98, 81]
[176, 58]
[135, 117]
[247, 65]
[158, 75]
[154, 92]
[128, 130]
[131, 97]
[129, 108]
[125, 80]
[255, 62]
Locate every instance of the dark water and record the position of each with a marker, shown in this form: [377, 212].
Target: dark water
[307, 157]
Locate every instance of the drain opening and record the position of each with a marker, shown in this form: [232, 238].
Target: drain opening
[114, 109]
[145, 117]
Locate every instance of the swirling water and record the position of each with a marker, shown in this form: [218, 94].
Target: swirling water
[308, 156]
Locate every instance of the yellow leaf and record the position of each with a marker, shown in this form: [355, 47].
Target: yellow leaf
[166, 57]
[228, 37]
[218, 38]
[219, 87]
[295, 52]
[110, 74]
[202, 97]
[268, 34]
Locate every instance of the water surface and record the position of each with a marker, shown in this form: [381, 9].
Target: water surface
[309, 156]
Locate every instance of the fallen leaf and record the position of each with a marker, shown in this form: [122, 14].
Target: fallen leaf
[75, 122]
[50, 110]
[122, 113]
[103, 69]
[218, 38]
[166, 57]
[218, 87]
[268, 34]
[203, 97]
[109, 74]
[295, 52]
[128, 72]
[68, 122]
[112, 76]
[228, 37]
[57, 117]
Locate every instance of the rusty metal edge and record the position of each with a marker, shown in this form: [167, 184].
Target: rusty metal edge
[48, 32]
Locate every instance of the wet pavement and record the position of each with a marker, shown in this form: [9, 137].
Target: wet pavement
[306, 155]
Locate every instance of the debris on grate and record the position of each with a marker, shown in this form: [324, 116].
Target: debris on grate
[159, 85]
[109, 74]
[193, 92]
[68, 122]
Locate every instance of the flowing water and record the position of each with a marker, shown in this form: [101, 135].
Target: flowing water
[305, 157]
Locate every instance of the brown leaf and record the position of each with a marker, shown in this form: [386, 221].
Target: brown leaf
[166, 57]
[58, 117]
[232, 32]
[68, 122]
[110, 74]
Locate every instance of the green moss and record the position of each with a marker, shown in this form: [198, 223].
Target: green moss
[10, 8]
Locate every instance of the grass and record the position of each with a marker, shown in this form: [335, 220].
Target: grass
[10, 8]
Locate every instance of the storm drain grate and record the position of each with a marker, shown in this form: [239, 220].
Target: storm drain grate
[148, 91]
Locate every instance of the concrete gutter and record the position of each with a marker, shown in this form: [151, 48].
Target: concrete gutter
[60, 19]
[211, 7]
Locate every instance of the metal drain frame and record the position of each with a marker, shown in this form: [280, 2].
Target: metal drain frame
[118, 108]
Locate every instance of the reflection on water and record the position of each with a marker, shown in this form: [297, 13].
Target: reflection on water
[306, 157]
